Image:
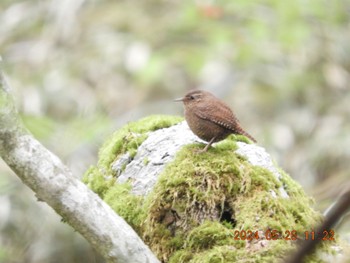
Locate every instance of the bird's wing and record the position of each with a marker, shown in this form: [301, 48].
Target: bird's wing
[221, 114]
[218, 113]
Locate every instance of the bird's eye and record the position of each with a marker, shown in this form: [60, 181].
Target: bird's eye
[192, 97]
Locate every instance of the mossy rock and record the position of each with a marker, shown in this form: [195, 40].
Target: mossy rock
[226, 205]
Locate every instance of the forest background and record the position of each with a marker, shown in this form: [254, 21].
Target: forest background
[81, 69]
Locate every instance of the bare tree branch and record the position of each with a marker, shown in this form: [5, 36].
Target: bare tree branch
[53, 183]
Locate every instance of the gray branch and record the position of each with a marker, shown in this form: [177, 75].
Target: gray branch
[54, 184]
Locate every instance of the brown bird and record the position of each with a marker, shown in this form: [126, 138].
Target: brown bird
[210, 118]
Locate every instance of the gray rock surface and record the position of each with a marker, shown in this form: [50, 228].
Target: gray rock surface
[257, 155]
[153, 154]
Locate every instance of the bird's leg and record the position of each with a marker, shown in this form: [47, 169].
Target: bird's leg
[208, 145]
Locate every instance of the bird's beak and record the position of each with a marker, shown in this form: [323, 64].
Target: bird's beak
[179, 99]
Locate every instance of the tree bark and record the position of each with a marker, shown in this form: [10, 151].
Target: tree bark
[54, 184]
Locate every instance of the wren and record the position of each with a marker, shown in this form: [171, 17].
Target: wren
[210, 118]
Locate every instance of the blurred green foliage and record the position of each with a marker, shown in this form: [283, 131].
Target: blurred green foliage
[79, 69]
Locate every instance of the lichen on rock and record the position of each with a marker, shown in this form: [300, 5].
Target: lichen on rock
[217, 206]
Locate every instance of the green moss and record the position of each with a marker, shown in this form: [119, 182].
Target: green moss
[127, 139]
[181, 256]
[208, 235]
[96, 181]
[125, 204]
[219, 254]
[200, 200]
[242, 138]
[205, 186]
[102, 180]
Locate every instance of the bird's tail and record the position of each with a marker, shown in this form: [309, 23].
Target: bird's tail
[243, 132]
